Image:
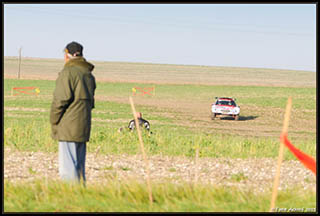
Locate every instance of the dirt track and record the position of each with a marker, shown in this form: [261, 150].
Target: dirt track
[254, 121]
[41, 68]
[255, 174]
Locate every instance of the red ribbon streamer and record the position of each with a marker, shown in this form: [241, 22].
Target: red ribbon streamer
[305, 159]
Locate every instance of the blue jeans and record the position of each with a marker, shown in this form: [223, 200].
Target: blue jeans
[72, 158]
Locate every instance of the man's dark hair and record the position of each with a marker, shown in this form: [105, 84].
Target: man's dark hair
[74, 48]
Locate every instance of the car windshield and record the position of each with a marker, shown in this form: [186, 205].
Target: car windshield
[226, 102]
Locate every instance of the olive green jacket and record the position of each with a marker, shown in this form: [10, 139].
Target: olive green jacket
[73, 99]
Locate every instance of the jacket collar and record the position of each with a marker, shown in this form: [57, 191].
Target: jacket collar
[76, 59]
[80, 61]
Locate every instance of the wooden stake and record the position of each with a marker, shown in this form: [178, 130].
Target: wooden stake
[281, 148]
[197, 165]
[98, 149]
[142, 149]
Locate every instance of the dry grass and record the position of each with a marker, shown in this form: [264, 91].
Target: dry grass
[32, 68]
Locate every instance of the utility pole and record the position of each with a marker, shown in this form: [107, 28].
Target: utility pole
[19, 62]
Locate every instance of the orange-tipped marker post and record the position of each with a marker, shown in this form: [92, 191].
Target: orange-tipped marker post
[142, 149]
[280, 157]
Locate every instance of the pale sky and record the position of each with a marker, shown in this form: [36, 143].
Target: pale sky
[280, 36]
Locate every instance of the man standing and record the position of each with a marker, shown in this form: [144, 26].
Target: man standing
[70, 115]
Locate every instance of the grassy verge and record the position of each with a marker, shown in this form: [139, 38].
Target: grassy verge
[113, 196]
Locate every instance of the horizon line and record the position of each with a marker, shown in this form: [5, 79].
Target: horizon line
[169, 64]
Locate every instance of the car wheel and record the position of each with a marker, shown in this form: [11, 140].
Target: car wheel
[213, 116]
[236, 118]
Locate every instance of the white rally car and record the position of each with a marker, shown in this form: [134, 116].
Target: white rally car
[225, 106]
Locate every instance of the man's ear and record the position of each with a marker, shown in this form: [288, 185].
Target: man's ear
[66, 58]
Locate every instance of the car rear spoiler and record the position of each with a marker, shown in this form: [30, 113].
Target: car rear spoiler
[226, 97]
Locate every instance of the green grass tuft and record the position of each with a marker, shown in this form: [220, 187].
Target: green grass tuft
[132, 196]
